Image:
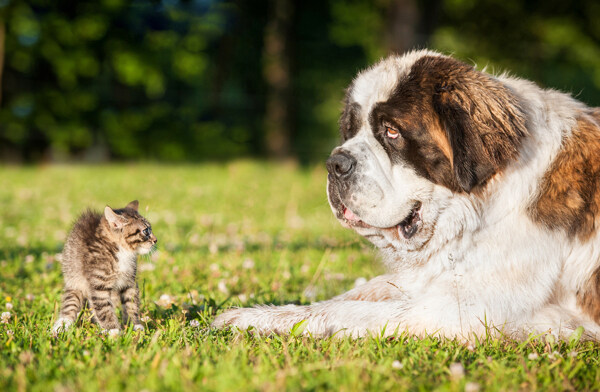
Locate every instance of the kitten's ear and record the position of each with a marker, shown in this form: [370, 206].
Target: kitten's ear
[133, 205]
[115, 220]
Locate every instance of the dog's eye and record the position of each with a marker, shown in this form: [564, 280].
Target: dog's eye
[390, 132]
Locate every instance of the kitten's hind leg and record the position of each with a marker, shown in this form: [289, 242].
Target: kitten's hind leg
[104, 311]
[130, 298]
[72, 303]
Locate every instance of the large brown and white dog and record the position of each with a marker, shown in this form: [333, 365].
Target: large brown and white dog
[482, 193]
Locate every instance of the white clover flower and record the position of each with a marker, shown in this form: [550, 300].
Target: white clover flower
[9, 306]
[457, 370]
[10, 332]
[397, 364]
[222, 287]
[194, 323]
[248, 264]
[533, 356]
[360, 281]
[5, 317]
[165, 301]
[554, 355]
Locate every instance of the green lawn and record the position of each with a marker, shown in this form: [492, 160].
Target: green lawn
[235, 234]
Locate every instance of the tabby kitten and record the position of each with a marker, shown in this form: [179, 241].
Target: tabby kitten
[99, 265]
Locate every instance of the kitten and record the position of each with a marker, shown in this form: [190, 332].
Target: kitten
[99, 265]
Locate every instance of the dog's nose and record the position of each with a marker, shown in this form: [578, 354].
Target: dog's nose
[341, 165]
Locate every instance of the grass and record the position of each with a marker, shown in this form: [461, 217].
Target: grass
[238, 234]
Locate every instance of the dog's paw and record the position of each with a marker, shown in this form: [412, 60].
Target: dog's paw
[233, 317]
[263, 319]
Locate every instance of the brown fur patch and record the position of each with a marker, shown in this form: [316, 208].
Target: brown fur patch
[459, 126]
[441, 140]
[569, 195]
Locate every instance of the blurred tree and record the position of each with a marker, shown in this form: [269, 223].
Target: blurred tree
[2, 39]
[215, 79]
[277, 62]
[129, 79]
[556, 43]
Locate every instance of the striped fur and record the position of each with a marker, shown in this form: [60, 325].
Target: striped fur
[99, 266]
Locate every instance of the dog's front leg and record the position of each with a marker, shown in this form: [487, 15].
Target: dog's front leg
[346, 318]
[263, 319]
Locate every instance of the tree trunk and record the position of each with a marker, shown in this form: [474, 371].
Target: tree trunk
[402, 20]
[2, 39]
[276, 68]
[409, 25]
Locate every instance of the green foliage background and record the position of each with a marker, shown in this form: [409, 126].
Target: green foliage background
[184, 80]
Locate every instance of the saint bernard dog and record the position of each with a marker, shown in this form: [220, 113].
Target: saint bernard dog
[482, 193]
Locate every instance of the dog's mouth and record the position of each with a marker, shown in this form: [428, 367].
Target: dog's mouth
[407, 228]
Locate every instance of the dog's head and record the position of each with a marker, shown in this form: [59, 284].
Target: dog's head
[414, 127]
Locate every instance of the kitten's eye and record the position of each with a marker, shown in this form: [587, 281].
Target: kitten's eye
[146, 231]
[390, 132]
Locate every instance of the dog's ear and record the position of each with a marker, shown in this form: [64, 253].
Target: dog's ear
[483, 122]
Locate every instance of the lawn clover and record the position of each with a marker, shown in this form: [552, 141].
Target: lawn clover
[554, 355]
[194, 323]
[457, 370]
[222, 287]
[360, 281]
[248, 264]
[165, 301]
[5, 317]
[9, 305]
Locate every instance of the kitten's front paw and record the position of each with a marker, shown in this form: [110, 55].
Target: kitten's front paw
[113, 332]
[62, 324]
[138, 327]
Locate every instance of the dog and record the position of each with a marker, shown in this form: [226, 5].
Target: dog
[482, 194]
